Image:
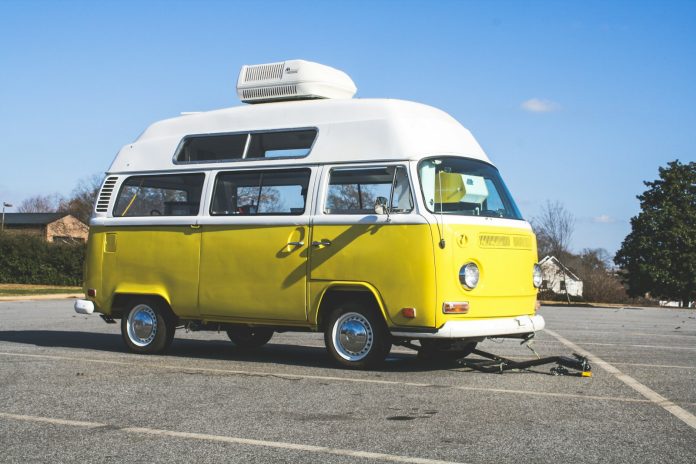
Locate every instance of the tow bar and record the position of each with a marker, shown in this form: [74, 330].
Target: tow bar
[498, 364]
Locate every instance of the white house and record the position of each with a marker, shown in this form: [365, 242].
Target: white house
[558, 278]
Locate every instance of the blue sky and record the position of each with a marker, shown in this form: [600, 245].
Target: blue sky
[574, 101]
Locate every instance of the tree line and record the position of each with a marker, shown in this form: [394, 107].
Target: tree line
[79, 203]
[656, 261]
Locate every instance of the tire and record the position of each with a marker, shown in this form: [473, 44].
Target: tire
[148, 327]
[249, 337]
[445, 349]
[357, 337]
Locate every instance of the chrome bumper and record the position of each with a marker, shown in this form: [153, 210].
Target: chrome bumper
[84, 307]
[481, 328]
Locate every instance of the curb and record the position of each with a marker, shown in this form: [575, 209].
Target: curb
[51, 296]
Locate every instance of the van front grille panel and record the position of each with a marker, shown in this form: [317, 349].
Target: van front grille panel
[521, 242]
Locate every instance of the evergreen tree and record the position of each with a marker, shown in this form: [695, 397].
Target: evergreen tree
[659, 255]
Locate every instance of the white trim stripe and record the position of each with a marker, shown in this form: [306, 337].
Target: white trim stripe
[680, 413]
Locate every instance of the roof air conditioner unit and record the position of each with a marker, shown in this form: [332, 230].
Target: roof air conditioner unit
[292, 80]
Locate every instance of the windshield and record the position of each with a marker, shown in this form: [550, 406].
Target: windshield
[464, 186]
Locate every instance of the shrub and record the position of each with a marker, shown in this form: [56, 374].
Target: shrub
[26, 259]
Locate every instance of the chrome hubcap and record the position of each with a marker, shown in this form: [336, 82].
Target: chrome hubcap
[353, 336]
[142, 325]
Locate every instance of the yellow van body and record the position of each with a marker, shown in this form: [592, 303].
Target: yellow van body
[215, 266]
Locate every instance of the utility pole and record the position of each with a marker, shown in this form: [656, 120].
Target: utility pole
[4, 205]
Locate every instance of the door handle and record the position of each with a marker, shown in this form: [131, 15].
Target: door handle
[321, 243]
[195, 226]
[296, 244]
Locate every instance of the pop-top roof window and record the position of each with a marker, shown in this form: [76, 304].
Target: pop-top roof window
[207, 148]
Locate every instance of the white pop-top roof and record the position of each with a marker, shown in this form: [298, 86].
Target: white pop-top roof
[348, 131]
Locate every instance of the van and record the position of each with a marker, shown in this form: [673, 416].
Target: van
[377, 222]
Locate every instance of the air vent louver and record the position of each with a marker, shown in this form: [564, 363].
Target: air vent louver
[105, 195]
[270, 92]
[264, 72]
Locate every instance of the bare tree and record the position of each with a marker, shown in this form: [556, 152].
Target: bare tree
[40, 204]
[82, 198]
[554, 229]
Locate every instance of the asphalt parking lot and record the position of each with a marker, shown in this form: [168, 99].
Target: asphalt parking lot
[69, 392]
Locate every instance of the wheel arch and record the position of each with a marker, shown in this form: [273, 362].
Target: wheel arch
[122, 302]
[341, 292]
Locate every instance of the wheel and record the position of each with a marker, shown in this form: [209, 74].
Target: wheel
[357, 337]
[445, 349]
[148, 327]
[249, 337]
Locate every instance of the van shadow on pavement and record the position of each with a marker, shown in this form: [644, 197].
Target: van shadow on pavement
[272, 353]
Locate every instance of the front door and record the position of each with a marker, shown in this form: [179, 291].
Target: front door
[254, 243]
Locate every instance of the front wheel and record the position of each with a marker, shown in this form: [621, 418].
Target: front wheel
[147, 328]
[356, 337]
[249, 337]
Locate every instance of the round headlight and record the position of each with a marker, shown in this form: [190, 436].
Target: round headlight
[469, 275]
[536, 276]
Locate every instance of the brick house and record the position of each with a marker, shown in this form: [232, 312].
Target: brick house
[52, 227]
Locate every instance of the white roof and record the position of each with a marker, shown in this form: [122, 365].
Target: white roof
[553, 261]
[349, 131]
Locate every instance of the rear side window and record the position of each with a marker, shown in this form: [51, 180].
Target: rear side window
[219, 147]
[357, 191]
[256, 193]
[160, 195]
[284, 144]
[295, 143]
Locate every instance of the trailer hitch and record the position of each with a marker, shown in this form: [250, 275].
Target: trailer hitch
[577, 366]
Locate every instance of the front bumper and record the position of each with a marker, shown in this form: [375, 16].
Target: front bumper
[481, 328]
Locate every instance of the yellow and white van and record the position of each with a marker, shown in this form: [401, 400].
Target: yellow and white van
[377, 222]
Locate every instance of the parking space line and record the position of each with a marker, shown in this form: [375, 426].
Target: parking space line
[637, 334]
[327, 378]
[665, 366]
[228, 439]
[662, 347]
[680, 413]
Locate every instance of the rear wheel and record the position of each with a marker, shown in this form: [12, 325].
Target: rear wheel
[249, 337]
[148, 327]
[357, 337]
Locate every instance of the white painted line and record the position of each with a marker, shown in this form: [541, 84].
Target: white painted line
[233, 440]
[637, 334]
[665, 366]
[661, 347]
[50, 420]
[680, 413]
[147, 365]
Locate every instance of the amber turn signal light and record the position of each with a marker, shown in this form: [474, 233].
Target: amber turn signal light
[409, 313]
[458, 307]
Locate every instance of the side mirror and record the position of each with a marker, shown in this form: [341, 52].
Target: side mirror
[381, 205]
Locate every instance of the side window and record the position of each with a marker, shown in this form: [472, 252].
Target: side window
[295, 143]
[285, 144]
[357, 190]
[160, 195]
[260, 193]
[219, 147]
